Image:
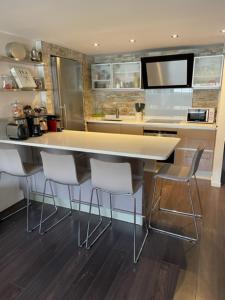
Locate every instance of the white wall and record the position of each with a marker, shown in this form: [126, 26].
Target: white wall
[220, 137]
[9, 187]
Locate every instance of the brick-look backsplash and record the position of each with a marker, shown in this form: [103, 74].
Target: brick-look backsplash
[106, 101]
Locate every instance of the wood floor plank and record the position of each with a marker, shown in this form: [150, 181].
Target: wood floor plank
[10, 292]
[52, 267]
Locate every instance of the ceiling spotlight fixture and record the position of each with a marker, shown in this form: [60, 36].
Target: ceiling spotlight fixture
[96, 44]
[222, 30]
[174, 36]
[132, 41]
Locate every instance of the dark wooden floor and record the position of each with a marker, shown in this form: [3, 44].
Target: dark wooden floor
[52, 267]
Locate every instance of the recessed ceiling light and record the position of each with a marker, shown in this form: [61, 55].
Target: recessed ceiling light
[222, 30]
[174, 36]
[96, 44]
[132, 41]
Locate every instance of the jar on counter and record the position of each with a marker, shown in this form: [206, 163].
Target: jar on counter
[17, 109]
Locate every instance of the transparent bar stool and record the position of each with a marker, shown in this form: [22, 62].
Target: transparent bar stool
[61, 169]
[113, 179]
[11, 164]
[174, 173]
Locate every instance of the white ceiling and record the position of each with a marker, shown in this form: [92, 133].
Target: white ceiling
[77, 24]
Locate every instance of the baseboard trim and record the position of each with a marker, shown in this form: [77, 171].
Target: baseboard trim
[215, 183]
[118, 215]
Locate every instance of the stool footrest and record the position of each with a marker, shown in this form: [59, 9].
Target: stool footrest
[176, 235]
[182, 213]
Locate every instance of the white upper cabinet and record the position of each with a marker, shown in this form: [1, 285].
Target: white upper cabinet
[116, 76]
[101, 76]
[126, 75]
[207, 73]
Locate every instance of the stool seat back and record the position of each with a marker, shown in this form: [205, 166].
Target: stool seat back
[112, 177]
[196, 161]
[11, 163]
[59, 168]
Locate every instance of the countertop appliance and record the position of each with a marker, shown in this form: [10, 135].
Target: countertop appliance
[203, 115]
[34, 125]
[169, 71]
[68, 92]
[17, 130]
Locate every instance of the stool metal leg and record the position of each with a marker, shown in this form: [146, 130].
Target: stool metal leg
[80, 244]
[99, 223]
[153, 205]
[16, 211]
[158, 199]
[137, 254]
[54, 212]
[199, 198]
[193, 211]
[28, 203]
[28, 187]
[187, 214]
[192, 214]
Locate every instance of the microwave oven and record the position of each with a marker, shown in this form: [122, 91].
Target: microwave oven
[198, 114]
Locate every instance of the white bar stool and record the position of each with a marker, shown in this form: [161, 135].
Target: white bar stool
[114, 179]
[11, 164]
[170, 172]
[61, 169]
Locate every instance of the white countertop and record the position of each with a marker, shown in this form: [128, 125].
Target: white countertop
[156, 124]
[137, 146]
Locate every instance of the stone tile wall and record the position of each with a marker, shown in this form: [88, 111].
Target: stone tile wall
[49, 49]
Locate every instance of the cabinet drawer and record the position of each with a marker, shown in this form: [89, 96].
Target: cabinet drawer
[115, 128]
[184, 158]
[192, 138]
[107, 128]
[131, 129]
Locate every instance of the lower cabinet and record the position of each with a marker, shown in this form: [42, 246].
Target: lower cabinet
[184, 157]
[191, 139]
[115, 128]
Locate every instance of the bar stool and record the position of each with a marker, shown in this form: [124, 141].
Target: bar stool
[11, 164]
[113, 179]
[174, 173]
[61, 169]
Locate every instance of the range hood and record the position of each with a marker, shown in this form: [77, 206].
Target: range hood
[169, 71]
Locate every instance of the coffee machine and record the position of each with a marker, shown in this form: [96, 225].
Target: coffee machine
[34, 125]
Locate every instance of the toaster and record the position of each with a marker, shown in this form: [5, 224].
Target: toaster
[16, 131]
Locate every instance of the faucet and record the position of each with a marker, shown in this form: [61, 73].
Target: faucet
[117, 113]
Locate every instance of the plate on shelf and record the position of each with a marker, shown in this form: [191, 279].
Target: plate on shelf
[16, 51]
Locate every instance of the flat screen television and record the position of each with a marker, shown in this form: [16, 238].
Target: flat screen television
[169, 71]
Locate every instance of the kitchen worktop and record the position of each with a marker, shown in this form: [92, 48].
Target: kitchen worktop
[147, 122]
[144, 147]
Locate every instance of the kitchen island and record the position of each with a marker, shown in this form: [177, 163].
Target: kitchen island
[122, 146]
[142, 147]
